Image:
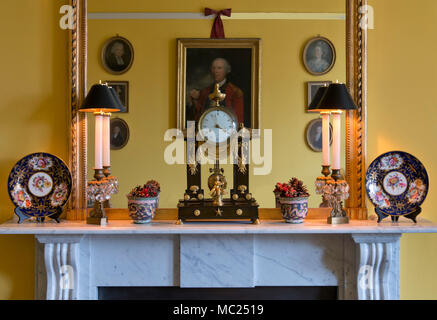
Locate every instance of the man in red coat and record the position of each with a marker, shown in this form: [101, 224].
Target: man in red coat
[234, 96]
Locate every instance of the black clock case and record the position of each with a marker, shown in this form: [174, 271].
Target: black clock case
[245, 207]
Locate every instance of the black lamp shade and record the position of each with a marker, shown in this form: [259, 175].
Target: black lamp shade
[316, 99]
[117, 99]
[336, 97]
[100, 99]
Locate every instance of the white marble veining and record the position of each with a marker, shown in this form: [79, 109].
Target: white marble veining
[211, 261]
[302, 260]
[74, 260]
[266, 227]
[126, 260]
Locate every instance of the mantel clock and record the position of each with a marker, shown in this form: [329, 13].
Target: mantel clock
[217, 127]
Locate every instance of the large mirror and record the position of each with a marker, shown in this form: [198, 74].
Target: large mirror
[147, 83]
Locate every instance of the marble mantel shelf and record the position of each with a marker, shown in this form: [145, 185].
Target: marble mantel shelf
[74, 260]
[310, 226]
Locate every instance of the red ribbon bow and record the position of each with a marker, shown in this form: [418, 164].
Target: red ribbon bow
[217, 30]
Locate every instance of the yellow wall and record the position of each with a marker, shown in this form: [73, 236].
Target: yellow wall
[199, 5]
[401, 113]
[33, 115]
[152, 97]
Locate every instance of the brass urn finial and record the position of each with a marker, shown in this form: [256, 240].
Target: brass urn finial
[217, 95]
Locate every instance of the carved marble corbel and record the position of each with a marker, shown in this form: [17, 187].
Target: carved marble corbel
[378, 274]
[60, 256]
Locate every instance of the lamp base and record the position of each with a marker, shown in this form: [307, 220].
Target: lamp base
[325, 170]
[98, 174]
[338, 220]
[98, 221]
[320, 183]
[97, 215]
[107, 171]
[336, 175]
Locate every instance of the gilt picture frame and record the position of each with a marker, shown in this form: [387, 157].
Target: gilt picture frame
[117, 55]
[119, 133]
[356, 133]
[238, 71]
[312, 87]
[319, 56]
[122, 90]
[313, 135]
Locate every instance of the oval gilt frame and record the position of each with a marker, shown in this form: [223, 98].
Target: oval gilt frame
[308, 132]
[103, 59]
[305, 51]
[124, 123]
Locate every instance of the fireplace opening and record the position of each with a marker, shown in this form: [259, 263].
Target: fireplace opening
[256, 293]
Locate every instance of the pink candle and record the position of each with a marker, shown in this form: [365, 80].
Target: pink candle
[98, 142]
[325, 139]
[336, 126]
[106, 145]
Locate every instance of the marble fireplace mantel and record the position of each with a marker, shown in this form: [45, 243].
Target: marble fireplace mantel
[74, 259]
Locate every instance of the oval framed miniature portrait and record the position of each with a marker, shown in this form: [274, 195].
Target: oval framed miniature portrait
[319, 56]
[117, 55]
[119, 133]
[313, 134]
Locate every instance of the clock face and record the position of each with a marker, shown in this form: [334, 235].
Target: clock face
[217, 124]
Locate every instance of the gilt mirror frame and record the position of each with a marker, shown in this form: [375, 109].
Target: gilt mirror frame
[356, 77]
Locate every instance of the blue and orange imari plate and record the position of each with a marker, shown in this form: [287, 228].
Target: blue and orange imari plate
[397, 184]
[39, 185]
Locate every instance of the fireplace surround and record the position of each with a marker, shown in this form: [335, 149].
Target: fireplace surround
[73, 260]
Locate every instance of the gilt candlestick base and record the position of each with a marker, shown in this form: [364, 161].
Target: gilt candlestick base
[107, 171]
[99, 191]
[321, 182]
[336, 193]
[325, 170]
[338, 220]
[98, 174]
[336, 175]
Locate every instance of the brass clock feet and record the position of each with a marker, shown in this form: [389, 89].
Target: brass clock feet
[179, 222]
[256, 222]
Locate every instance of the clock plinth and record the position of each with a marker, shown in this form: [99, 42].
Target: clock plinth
[228, 211]
[239, 206]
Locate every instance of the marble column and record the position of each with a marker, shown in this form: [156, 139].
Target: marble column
[59, 273]
[378, 266]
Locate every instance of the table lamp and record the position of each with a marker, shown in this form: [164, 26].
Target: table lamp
[334, 100]
[325, 127]
[321, 181]
[101, 102]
